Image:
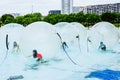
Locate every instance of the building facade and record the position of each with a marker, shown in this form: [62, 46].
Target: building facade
[55, 12]
[77, 9]
[99, 9]
[67, 6]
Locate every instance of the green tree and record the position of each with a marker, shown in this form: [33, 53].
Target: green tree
[117, 21]
[27, 21]
[93, 18]
[9, 20]
[55, 18]
[37, 16]
[51, 18]
[19, 19]
[71, 18]
[5, 16]
[30, 18]
[108, 16]
[80, 17]
[117, 17]
[0, 22]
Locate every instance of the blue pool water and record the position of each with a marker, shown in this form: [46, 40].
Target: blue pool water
[105, 75]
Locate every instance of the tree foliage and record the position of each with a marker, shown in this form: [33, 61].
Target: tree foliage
[30, 18]
[108, 16]
[85, 19]
[55, 18]
[24, 20]
[79, 17]
[7, 18]
[91, 19]
[19, 19]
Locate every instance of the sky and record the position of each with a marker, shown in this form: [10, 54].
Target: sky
[42, 6]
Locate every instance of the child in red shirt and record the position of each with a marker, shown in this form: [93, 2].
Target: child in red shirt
[37, 55]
